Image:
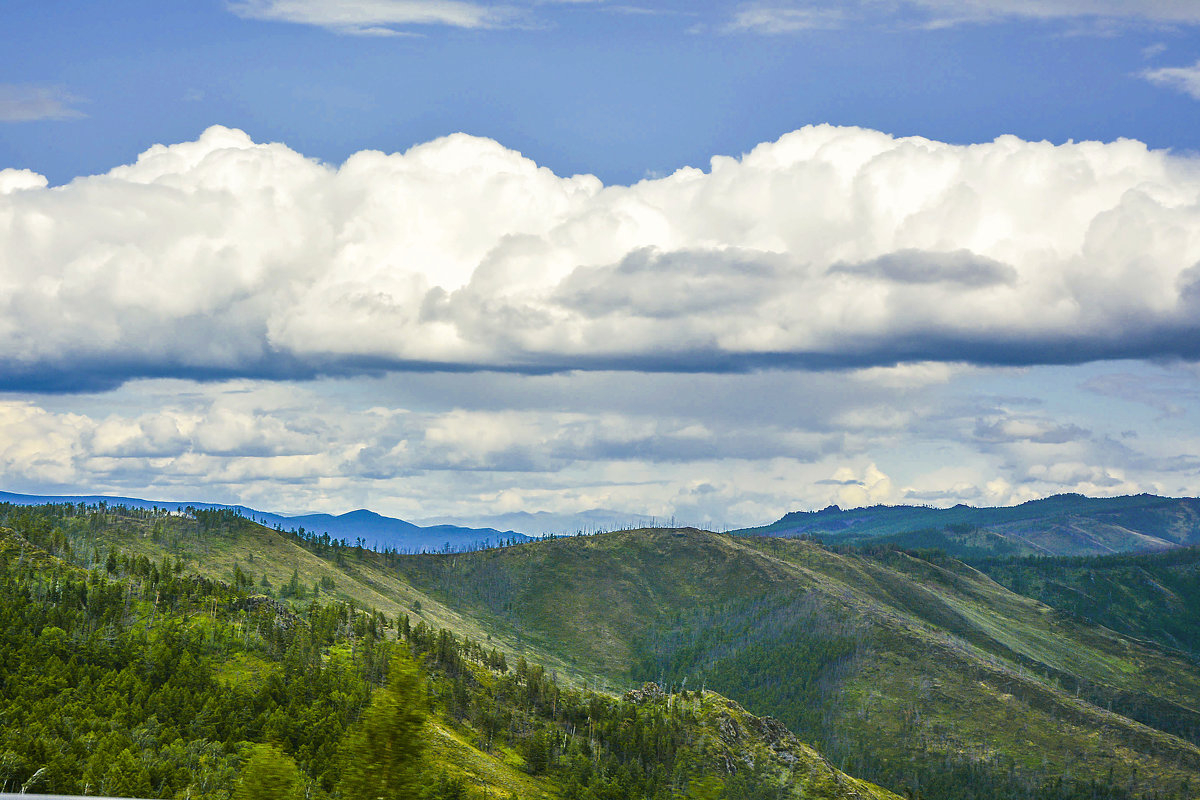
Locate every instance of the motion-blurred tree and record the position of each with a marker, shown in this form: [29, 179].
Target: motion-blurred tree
[270, 774]
[382, 757]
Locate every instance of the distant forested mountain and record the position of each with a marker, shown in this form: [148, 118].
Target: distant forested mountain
[1063, 525]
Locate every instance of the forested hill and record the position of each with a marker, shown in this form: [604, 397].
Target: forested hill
[1063, 525]
[912, 671]
[127, 676]
[908, 669]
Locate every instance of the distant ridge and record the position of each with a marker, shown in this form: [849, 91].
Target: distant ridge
[377, 531]
[1062, 525]
[594, 520]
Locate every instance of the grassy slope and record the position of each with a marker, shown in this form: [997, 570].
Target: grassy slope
[496, 774]
[362, 579]
[1154, 596]
[580, 599]
[949, 663]
[961, 666]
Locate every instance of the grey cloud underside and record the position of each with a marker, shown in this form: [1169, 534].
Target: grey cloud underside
[829, 249]
[916, 267]
[1168, 343]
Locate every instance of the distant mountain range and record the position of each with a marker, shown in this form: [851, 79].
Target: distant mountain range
[376, 530]
[1063, 525]
[594, 520]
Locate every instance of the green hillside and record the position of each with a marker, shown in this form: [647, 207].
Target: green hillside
[1063, 525]
[1152, 596]
[918, 673]
[129, 676]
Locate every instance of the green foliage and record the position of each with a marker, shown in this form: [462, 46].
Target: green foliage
[1150, 596]
[754, 783]
[270, 774]
[382, 754]
[780, 653]
[110, 682]
[907, 667]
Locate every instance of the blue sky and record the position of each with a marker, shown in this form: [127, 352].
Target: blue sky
[580, 87]
[454, 328]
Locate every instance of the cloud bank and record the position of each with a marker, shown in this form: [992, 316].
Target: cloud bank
[829, 248]
[710, 449]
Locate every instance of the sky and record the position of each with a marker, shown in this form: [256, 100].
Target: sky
[702, 262]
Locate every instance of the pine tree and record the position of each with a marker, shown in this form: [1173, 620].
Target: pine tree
[383, 754]
[127, 776]
[270, 774]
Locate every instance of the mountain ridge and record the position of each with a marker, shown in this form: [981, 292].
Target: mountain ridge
[376, 530]
[1060, 525]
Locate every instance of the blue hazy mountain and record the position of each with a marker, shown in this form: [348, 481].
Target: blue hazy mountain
[376, 530]
[594, 520]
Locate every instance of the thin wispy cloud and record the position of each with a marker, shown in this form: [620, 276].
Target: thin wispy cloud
[374, 17]
[1152, 11]
[1183, 79]
[31, 103]
[773, 21]
[1100, 16]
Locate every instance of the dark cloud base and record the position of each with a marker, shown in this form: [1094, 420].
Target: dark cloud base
[1158, 344]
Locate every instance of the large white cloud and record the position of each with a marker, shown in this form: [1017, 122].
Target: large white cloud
[829, 247]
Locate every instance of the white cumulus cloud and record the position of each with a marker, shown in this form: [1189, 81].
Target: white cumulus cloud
[831, 247]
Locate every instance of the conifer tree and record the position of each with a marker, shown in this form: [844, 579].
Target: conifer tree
[270, 774]
[383, 754]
